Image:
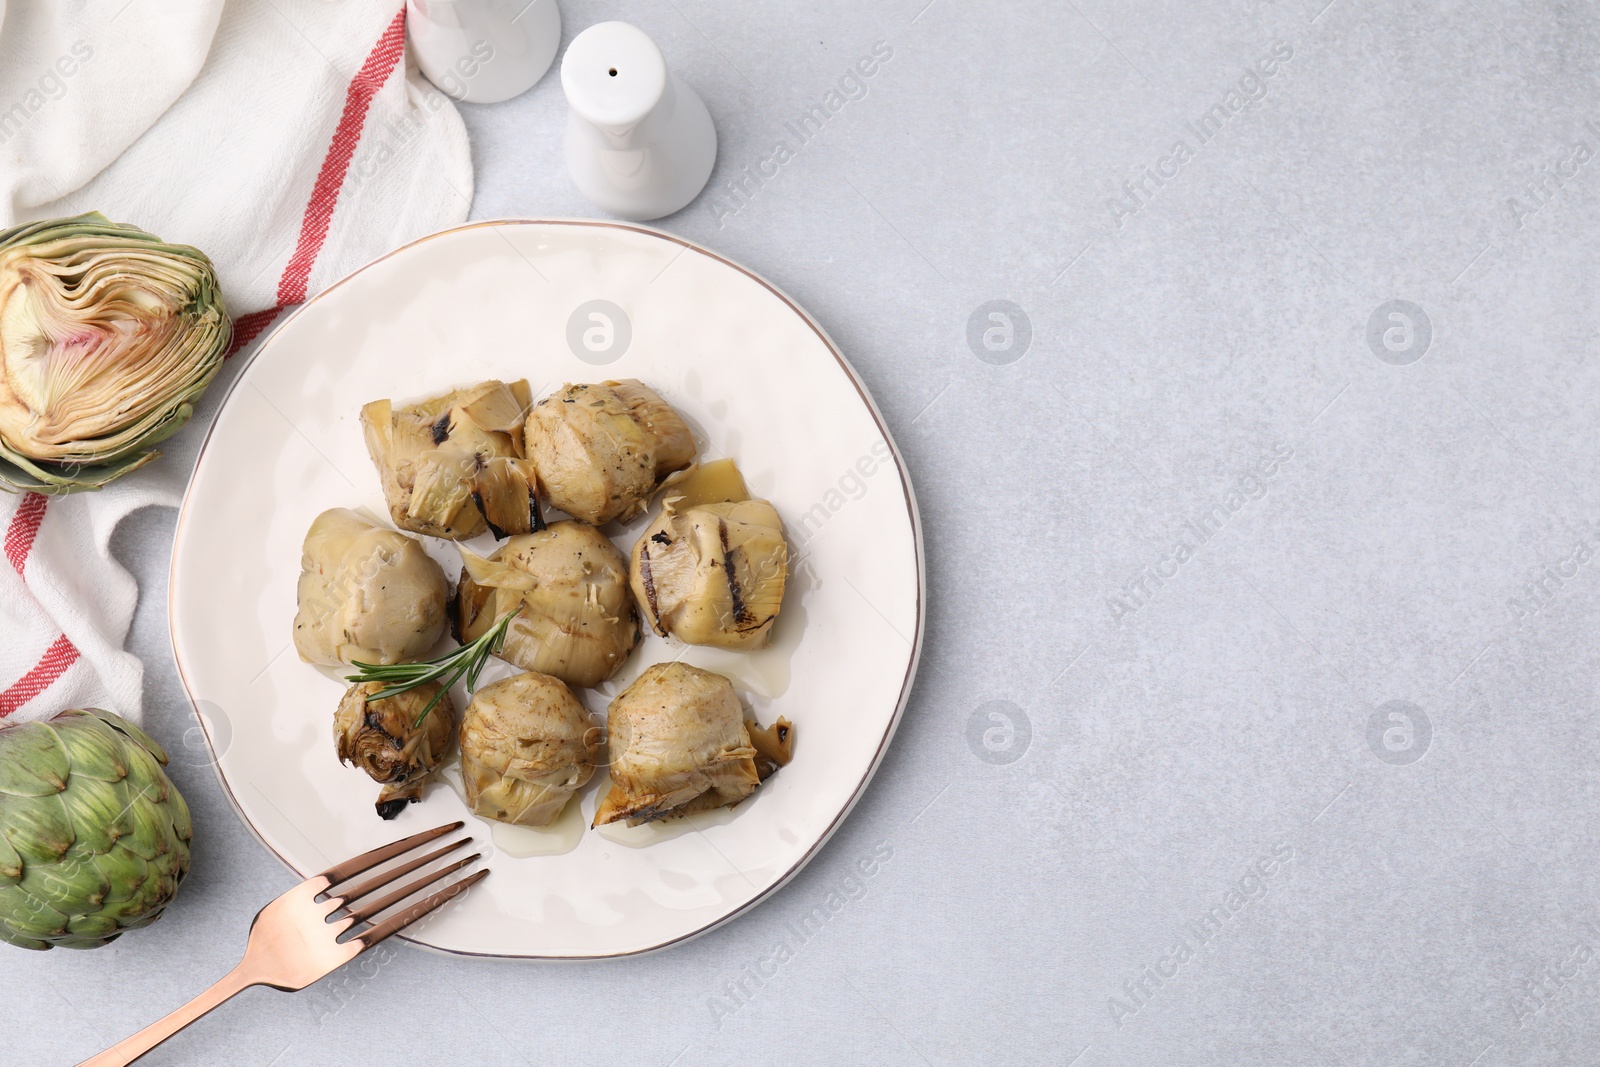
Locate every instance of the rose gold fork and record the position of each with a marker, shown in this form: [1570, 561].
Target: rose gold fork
[292, 943]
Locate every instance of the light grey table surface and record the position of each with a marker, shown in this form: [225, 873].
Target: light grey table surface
[1211, 513]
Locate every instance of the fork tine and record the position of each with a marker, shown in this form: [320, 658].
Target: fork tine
[379, 881]
[339, 872]
[389, 900]
[419, 909]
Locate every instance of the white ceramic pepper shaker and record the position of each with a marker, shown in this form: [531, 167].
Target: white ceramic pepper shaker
[483, 51]
[639, 143]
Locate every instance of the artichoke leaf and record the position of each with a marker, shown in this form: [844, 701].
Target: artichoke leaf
[19, 474]
[99, 811]
[152, 828]
[503, 491]
[493, 406]
[9, 937]
[145, 776]
[126, 873]
[715, 482]
[495, 575]
[28, 916]
[37, 827]
[377, 423]
[69, 886]
[95, 927]
[95, 749]
[10, 863]
[128, 730]
[440, 490]
[33, 761]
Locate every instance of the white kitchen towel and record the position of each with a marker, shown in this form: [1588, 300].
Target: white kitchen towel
[287, 139]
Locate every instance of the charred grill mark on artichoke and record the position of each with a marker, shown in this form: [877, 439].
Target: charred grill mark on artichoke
[648, 580]
[494, 531]
[741, 614]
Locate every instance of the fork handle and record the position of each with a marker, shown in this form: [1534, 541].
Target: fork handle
[125, 1052]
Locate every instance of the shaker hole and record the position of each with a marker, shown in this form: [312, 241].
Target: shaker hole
[613, 72]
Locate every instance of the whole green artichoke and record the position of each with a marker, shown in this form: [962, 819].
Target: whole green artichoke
[108, 336]
[94, 837]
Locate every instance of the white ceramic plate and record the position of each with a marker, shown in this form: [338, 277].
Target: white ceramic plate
[761, 383]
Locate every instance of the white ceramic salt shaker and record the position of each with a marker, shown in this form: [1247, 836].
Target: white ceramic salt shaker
[639, 143]
[483, 51]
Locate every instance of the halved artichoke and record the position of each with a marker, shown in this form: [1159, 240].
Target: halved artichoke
[680, 744]
[108, 336]
[452, 466]
[711, 569]
[601, 450]
[526, 746]
[384, 739]
[577, 620]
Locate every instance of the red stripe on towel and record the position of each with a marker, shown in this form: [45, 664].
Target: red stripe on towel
[24, 528]
[380, 63]
[375, 71]
[57, 658]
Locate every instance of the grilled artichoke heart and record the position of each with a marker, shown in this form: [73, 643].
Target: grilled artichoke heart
[108, 336]
[679, 744]
[381, 738]
[577, 620]
[94, 837]
[526, 747]
[453, 466]
[366, 593]
[601, 450]
[711, 569]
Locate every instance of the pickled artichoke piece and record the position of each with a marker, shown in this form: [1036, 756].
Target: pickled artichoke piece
[366, 593]
[601, 450]
[452, 465]
[679, 744]
[717, 482]
[383, 738]
[712, 571]
[526, 747]
[577, 620]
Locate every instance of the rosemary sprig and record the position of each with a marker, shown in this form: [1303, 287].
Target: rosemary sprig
[464, 662]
